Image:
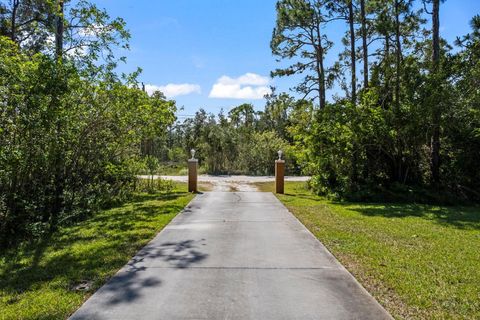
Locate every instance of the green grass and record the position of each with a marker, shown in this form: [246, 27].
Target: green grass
[173, 170]
[38, 281]
[419, 261]
[176, 169]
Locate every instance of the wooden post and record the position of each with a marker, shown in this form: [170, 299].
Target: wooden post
[192, 175]
[279, 176]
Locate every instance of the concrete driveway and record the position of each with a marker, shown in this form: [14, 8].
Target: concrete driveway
[233, 255]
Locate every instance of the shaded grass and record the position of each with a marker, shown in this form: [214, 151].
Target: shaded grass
[43, 280]
[419, 261]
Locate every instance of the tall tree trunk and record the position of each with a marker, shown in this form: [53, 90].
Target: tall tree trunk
[353, 70]
[59, 163]
[364, 43]
[388, 93]
[435, 147]
[319, 52]
[436, 34]
[319, 75]
[322, 80]
[398, 56]
[59, 30]
[352, 52]
[13, 20]
[398, 61]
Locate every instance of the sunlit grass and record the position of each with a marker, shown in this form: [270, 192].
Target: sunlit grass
[419, 261]
[40, 281]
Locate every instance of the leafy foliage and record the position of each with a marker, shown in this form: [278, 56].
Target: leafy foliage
[243, 142]
[414, 122]
[68, 141]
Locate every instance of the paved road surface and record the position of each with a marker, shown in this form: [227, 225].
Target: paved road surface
[233, 255]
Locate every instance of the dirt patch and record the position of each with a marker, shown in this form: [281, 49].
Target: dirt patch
[205, 186]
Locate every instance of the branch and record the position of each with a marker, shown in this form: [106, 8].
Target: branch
[308, 92]
[425, 7]
[373, 40]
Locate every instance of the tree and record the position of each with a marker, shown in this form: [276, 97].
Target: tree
[298, 34]
[80, 30]
[243, 116]
[70, 129]
[345, 10]
[59, 30]
[276, 115]
[363, 23]
[437, 109]
[460, 130]
[27, 22]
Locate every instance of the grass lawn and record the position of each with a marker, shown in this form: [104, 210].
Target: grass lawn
[419, 261]
[44, 280]
[176, 169]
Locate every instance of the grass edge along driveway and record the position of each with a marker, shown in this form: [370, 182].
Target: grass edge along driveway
[418, 261]
[51, 279]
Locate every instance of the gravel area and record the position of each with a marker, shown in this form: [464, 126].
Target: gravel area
[229, 183]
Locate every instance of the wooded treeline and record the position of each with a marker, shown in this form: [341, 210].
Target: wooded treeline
[70, 126]
[410, 115]
[242, 141]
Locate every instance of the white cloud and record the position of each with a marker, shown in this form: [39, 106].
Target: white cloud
[246, 79]
[247, 86]
[235, 91]
[174, 89]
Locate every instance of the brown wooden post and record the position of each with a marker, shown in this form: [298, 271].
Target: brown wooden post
[279, 174]
[192, 173]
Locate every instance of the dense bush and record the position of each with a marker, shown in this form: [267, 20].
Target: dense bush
[67, 144]
[368, 151]
[257, 156]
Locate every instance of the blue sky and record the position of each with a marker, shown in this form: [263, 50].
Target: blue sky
[201, 52]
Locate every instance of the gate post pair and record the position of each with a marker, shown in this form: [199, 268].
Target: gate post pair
[279, 173]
